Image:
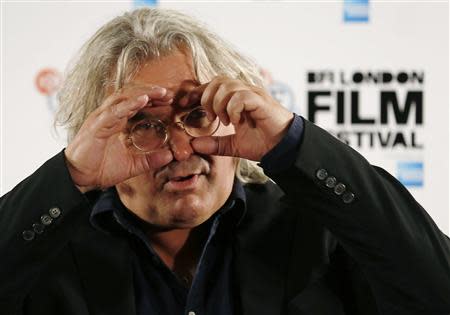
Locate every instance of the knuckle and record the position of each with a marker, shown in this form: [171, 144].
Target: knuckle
[222, 147]
[98, 122]
[232, 109]
[221, 78]
[114, 110]
[240, 96]
[205, 98]
[231, 86]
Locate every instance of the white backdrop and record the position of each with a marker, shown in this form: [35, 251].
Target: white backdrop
[289, 40]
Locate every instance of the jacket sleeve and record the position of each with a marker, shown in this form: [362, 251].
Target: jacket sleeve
[37, 219]
[401, 251]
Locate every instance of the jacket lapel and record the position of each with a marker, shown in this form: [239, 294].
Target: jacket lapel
[104, 264]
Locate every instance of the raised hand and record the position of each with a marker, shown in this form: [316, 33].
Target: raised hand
[259, 120]
[101, 154]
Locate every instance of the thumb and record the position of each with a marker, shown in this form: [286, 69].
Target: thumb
[215, 145]
[159, 158]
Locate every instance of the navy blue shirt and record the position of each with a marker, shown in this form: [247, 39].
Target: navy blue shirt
[158, 290]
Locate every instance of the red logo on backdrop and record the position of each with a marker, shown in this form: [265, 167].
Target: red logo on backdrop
[48, 81]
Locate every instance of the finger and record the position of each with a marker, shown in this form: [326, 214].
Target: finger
[241, 105]
[192, 96]
[152, 91]
[222, 97]
[234, 111]
[158, 159]
[129, 107]
[157, 92]
[144, 162]
[190, 99]
[156, 100]
[116, 115]
[162, 103]
[186, 87]
[168, 96]
[215, 146]
[208, 97]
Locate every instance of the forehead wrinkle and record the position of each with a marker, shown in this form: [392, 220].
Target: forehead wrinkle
[168, 71]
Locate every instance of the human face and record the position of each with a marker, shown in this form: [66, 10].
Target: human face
[192, 187]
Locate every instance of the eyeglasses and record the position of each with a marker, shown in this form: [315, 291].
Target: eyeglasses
[150, 133]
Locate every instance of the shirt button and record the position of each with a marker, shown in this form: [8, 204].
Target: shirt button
[331, 182]
[322, 174]
[38, 228]
[54, 212]
[339, 189]
[348, 197]
[46, 219]
[28, 235]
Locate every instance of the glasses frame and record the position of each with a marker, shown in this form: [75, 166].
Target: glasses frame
[180, 123]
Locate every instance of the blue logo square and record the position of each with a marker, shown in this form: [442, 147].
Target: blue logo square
[145, 3]
[410, 174]
[356, 11]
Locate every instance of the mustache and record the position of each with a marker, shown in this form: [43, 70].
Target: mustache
[195, 164]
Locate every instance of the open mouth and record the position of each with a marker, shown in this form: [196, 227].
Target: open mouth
[183, 178]
[179, 183]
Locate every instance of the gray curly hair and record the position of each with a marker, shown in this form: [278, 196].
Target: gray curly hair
[115, 53]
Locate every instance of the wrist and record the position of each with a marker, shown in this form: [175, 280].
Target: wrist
[75, 175]
[284, 125]
[284, 154]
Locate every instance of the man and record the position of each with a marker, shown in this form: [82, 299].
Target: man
[155, 208]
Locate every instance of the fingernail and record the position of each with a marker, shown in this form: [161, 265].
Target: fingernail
[143, 98]
[159, 89]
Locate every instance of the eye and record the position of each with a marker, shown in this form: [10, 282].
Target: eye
[197, 118]
[142, 126]
[148, 135]
[149, 127]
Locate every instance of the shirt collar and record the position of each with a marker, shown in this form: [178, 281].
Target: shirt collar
[104, 211]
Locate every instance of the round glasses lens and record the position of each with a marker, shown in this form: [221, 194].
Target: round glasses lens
[148, 135]
[197, 124]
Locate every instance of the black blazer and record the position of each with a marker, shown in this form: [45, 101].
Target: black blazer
[302, 248]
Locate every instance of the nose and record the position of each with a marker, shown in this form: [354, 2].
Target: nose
[180, 143]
